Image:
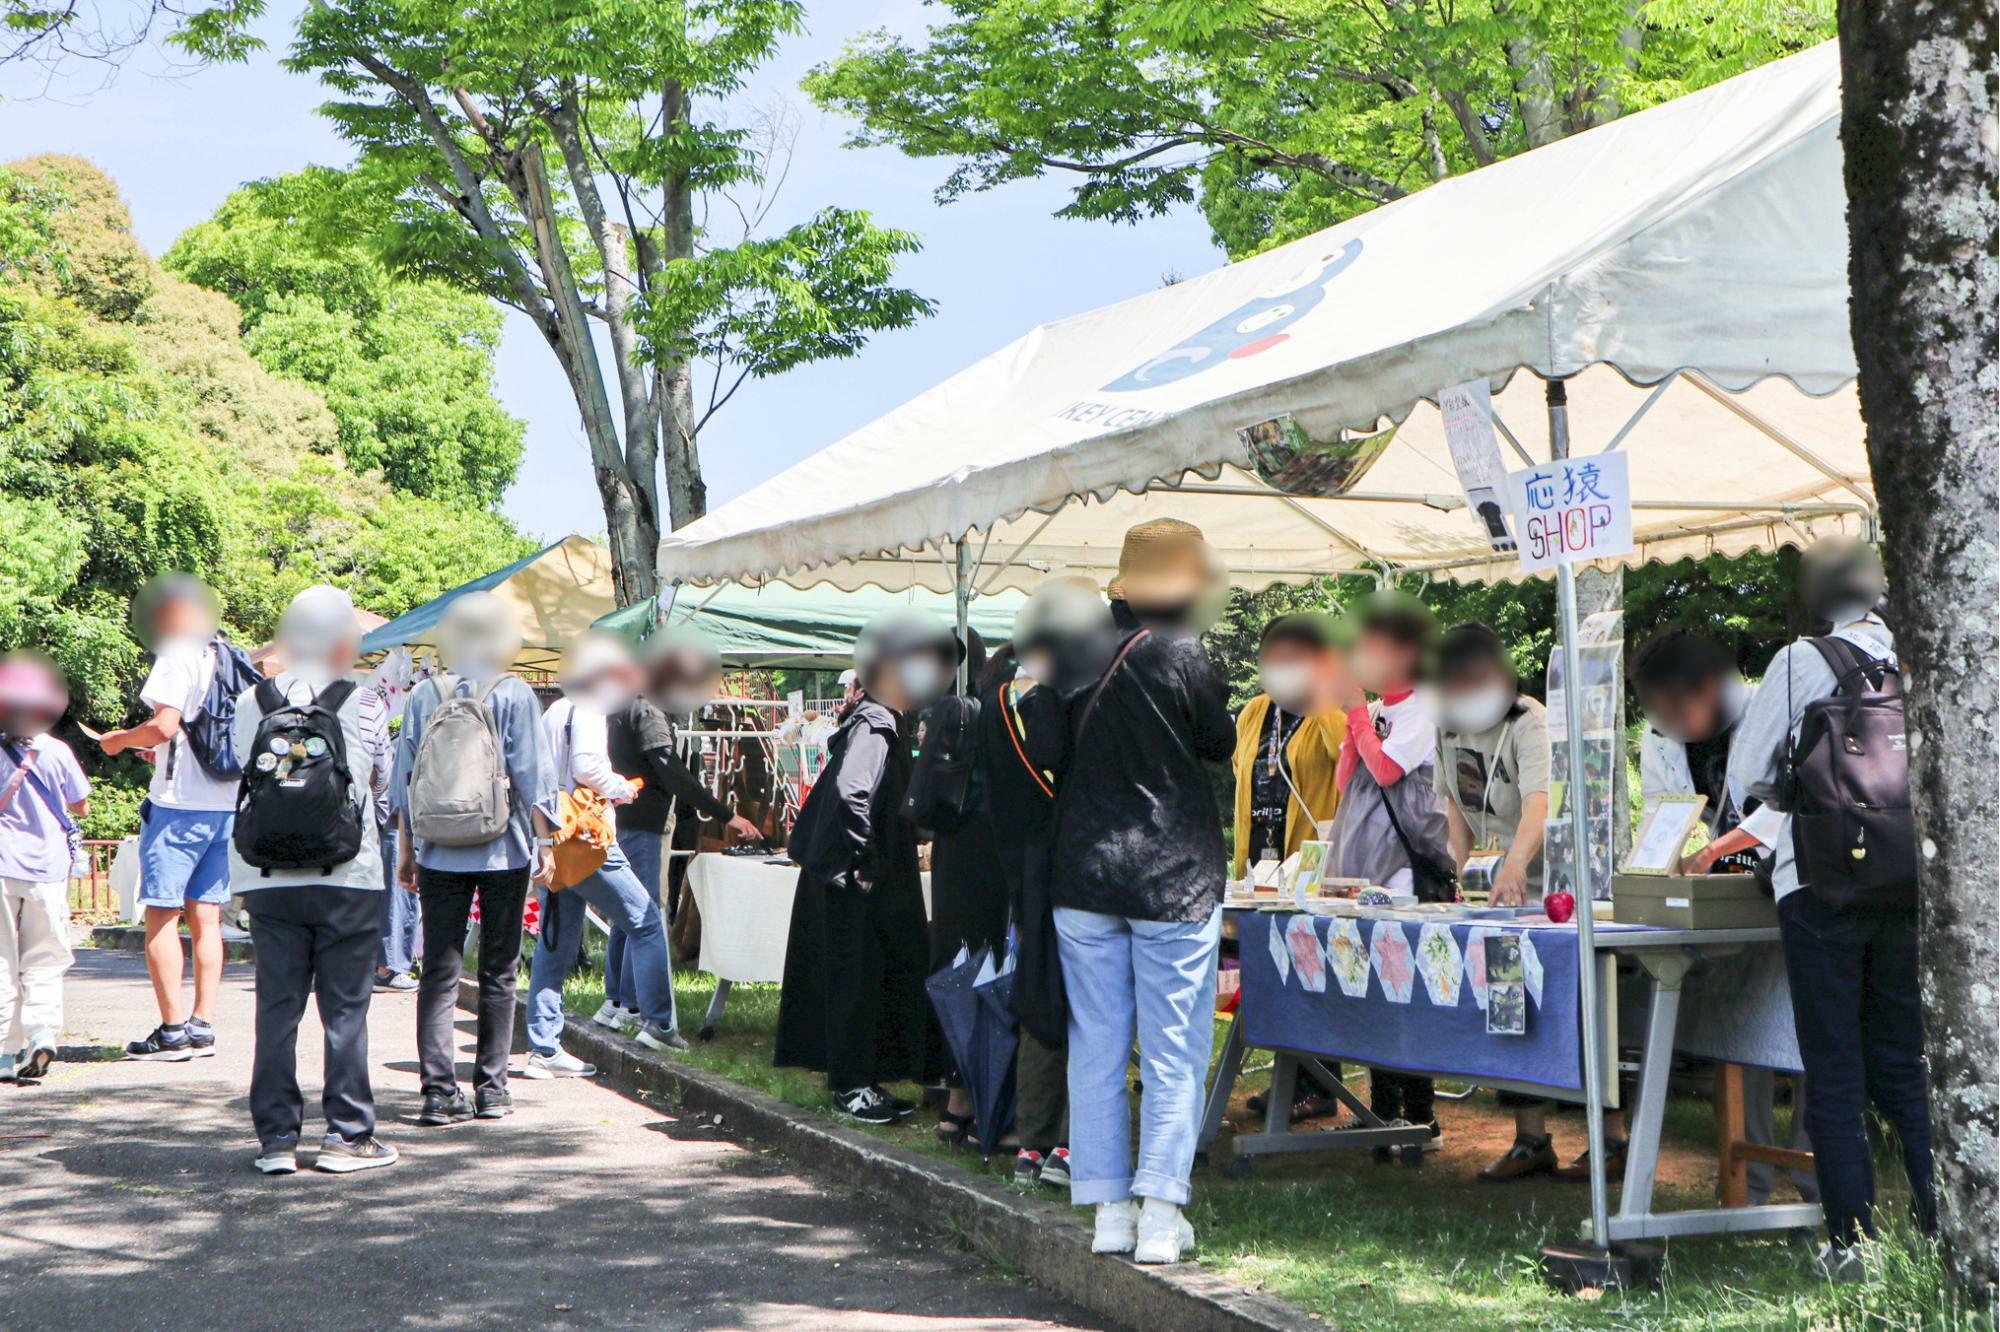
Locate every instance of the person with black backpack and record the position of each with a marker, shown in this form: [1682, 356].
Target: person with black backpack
[185, 822]
[305, 855]
[1824, 740]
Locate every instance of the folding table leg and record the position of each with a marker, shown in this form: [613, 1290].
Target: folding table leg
[1227, 1069]
[1642, 1156]
[714, 1014]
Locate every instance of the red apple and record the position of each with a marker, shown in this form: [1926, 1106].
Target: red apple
[1560, 906]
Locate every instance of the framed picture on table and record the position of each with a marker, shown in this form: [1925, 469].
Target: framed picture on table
[1664, 829]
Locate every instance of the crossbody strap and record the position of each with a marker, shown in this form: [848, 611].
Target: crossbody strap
[22, 765]
[1090, 704]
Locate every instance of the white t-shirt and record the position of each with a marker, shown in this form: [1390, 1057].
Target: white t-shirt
[181, 675]
[1408, 728]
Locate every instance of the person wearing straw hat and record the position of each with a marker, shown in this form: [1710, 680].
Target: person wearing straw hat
[1140, 865]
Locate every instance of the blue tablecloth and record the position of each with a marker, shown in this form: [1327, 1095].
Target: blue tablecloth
[1408, 1009]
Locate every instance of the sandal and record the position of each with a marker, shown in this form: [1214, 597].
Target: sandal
[953, 1129]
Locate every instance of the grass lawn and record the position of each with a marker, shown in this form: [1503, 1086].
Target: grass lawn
[1370, 1246]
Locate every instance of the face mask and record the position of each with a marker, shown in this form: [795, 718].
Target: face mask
[607, 695]
[1289, 683]
[1735, 698]
[922, 678]
[1477, 710]
[1038, 668]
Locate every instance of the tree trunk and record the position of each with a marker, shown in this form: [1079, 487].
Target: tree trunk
[1917, 129]
[687, 493]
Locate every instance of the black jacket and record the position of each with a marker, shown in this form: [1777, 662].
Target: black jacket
[1138, 833]
[639, 741]
[852, 828]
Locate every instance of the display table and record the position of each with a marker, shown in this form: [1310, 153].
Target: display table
[746, 919]
[1404, 992]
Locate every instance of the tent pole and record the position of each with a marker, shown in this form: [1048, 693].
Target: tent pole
[961, 596]
[1579, 816]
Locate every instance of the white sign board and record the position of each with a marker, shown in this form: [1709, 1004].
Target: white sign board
[1467, 410]
[1573, 511]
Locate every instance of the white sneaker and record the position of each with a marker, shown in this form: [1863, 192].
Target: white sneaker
[608, 1015]
[1164, 1234]
[561, 1064]
[1117, 1228]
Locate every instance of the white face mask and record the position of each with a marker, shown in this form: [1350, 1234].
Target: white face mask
[1474, 710]
[1735, 698]
[607, 696]
[1037, 667]
[922, 679]
[1289, 683]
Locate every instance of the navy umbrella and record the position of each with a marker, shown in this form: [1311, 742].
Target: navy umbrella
[972, 999]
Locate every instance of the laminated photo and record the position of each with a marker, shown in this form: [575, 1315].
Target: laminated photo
[1506, 987]
[1281, 953]
[1349, 957]
[1440, 963]
[1475, 961]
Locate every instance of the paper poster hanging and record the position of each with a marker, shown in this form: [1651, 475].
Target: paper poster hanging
[1349, 957]
[1439, 963]
[1394, 965]
[1467, 410]
[1506, 985]
[1571, 511]
[1287, 458]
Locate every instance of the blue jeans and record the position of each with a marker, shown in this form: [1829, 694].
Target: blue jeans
[1156, 980]
[622, 900]
[645, 852]
[400, 915]
[1860, 1020]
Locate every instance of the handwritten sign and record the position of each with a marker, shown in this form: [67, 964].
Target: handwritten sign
[1572, 511]
[1467, 411]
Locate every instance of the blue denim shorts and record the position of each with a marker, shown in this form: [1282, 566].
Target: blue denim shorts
[183, 856]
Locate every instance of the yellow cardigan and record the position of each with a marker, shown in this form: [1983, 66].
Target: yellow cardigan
[1311, 756]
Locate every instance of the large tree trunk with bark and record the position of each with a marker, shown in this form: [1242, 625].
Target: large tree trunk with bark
[1918, 106]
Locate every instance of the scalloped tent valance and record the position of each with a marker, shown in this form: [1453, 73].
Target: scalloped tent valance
[1684, 267]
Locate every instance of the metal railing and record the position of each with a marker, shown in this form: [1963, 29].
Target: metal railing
[92, 899]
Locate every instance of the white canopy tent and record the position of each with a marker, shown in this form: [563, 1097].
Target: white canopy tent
[1659, 277]
[1674, 266]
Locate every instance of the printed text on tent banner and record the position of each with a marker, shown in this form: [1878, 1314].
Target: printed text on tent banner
[1572, 511]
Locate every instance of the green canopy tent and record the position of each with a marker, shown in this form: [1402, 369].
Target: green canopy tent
[780, 626]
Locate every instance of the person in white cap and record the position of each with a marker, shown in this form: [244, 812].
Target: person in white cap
[305, 856]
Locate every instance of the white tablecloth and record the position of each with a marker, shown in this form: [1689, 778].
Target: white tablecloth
[746, 914]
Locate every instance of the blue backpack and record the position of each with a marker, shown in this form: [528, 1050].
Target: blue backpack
[211, 735]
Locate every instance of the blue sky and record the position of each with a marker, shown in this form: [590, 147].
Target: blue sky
[996, 264]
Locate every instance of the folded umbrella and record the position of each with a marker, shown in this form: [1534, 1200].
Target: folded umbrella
[979, 1031]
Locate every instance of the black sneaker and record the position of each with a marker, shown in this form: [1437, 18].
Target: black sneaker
[441, 1109]
[166, 1045]
[495, 1105]
[867, 1105]
[338, 1156]
[201, 1038]
[1027, 1168]
[1055, 1170]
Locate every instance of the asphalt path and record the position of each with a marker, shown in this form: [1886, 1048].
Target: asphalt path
[128, 1201]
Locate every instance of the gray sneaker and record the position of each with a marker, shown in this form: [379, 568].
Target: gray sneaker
[656, 1037]
[280, 1158]
[1842, 1267]
[338, 1156]
[561, 1064]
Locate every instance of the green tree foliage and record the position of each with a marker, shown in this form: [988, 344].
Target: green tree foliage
[566, 160]
[45, 35]
[138, 435]
[406, 366]
[1279, 117]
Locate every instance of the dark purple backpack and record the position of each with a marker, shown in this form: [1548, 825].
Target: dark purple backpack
[1847, 786]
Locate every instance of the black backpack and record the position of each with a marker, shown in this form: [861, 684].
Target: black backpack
[940, 793]
[296, 809]
[1847, 786]
[211, 733]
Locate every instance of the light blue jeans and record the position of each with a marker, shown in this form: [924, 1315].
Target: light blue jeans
[623, 902]
[645, 852]
[1154, 980]
[401, 915]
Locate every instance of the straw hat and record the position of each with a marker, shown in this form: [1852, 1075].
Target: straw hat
[1165, 562]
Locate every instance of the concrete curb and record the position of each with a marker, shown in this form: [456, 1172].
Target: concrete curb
[1043, 1240]
[132, 939]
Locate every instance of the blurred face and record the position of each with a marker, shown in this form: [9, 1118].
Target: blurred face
[1687, 714]
[478, 637]
[1477, 695]
[183, 616]
[1290, 671]
[1381, 664]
